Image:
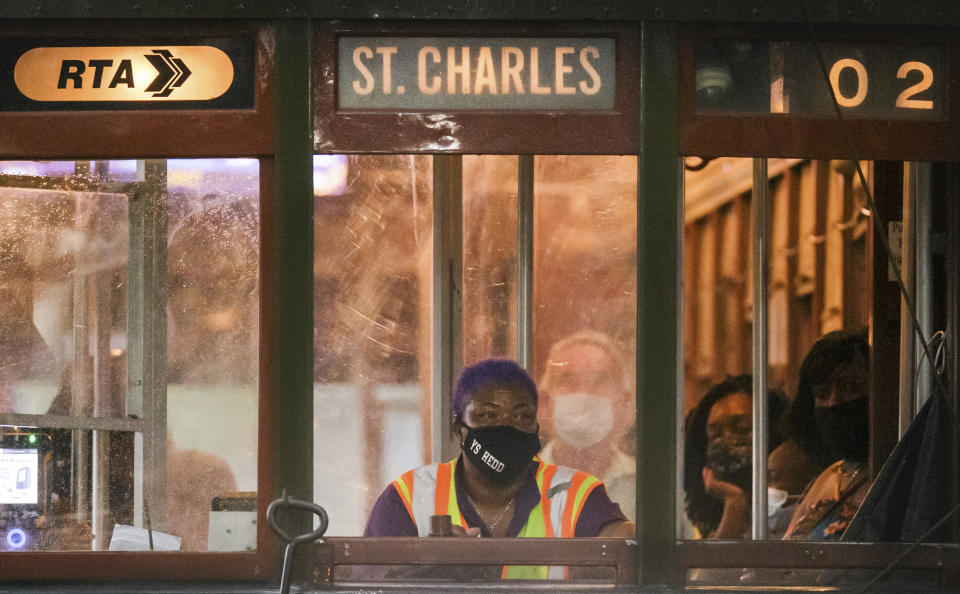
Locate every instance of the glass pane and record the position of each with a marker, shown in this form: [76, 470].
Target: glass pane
[818, 312]
[213, 244]
[489, 257]
[107, 430]
[62, 262]
[372, 320]
[585, 279]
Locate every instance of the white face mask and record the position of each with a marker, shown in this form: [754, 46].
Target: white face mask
[778, 517]
[582, 420]
[775, 500]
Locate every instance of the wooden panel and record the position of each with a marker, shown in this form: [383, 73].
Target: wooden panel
[748, 297]
[813, 290]
[706, 304]
[778, 318]
[783, 250]
[831, 316]
[857, 277]
[806, 232]
[578, 552]
[734, 344]
[822, 182]
[785, 554]
[131, 566]
[798, 307]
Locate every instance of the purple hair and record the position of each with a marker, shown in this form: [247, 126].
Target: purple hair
[489, 372]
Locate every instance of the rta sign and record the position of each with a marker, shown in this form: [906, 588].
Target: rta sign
[144, 73]
[171, 73]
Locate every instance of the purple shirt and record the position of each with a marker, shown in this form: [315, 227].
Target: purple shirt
[389, 516]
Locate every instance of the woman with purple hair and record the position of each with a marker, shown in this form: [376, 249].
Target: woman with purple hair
[498, 486]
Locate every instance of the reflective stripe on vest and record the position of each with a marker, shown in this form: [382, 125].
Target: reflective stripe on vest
[430, 490]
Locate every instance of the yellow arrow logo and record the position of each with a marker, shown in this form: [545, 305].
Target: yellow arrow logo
[137, 73]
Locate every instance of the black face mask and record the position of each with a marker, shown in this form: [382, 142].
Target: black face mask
[500, 452]
[731, 464]
[845, 429]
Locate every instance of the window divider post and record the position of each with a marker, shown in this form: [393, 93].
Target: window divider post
[447, 343]
[525, 229]
[759, 211]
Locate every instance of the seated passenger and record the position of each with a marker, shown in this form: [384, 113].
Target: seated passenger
[589, 407]
[830, 418]
[718, 456]
[194, 479]
[789, 471]
[496, 485]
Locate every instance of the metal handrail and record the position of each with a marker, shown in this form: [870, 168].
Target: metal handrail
[317, 534]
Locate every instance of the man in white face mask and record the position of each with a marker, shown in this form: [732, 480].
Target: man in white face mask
[789, 471]
[589, 408]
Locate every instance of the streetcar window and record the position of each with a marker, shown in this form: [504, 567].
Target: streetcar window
[490, 247]
[584, 316]
[373, 301]
[130, 348]
[819, 312]
[372, 358]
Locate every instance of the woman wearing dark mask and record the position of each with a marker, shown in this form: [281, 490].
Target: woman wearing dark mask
[830, 419]
[718, 455]
[498, 486]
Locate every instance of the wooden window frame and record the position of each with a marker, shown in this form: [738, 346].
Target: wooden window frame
[162, 134]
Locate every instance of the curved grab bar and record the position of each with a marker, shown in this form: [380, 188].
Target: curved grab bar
[310, 506]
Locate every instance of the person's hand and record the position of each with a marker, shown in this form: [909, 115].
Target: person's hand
[469, 532]
[720, 489]
[735, 514]
[621, 529]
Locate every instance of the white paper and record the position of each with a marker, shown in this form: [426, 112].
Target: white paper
[131, 538]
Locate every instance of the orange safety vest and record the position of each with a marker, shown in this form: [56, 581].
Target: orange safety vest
[430, 491]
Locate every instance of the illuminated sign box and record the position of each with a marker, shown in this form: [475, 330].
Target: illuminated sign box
[457, 73]
[889, 82]
[53, 74]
